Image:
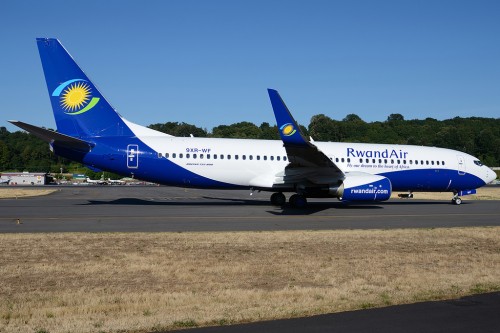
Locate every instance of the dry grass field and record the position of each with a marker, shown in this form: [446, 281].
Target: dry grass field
[21, 192]
[134, 282]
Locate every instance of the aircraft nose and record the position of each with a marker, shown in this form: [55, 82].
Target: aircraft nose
[490, 176]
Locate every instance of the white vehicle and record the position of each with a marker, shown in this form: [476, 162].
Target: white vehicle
[91, 132]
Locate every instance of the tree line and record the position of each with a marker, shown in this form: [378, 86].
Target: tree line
[480, 137]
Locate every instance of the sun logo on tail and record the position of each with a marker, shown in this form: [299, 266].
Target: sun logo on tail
[288, 129]
[75, 96]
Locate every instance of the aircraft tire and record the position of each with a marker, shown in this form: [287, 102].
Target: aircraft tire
[278, 199]
[298, 201]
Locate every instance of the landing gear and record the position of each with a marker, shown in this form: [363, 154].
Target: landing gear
[298, 201]
[456, 200]
[278, 199]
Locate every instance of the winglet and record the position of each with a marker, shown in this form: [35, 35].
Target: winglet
[289, 130]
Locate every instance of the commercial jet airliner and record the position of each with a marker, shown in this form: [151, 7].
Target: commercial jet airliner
[91, 132]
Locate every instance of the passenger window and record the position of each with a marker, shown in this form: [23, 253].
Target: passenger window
[404, 161]
[277, 158]
[236, 157]
[422, 162]
[244, 157]
[432, 162]
[271, 158]
[180, 155]
[337, 159]
[427, 162]
[188, 156]
[258, 157]
[442, 162]
[284, 158]
[229, 157]
[167, 155]
[221, 156]
[360, 160]
[342, 160]
[392, 161]
[411, 161]
[201, 156]
[159, 155]
[385, 161]
[373, 161]
[380, 161]
[208, 156]
[348, 160]
[174, 155]
[194, 155]
[265, 158]
[250, 157]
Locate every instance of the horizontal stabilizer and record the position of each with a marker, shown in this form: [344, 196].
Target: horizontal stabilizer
[54, 137]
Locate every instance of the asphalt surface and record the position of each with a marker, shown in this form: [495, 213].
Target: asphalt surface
[478, 313]
[155, 209]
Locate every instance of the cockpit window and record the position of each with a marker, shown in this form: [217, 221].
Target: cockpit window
[478, 162]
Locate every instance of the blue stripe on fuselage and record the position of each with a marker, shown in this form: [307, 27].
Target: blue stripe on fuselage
[110, 154]
[432, 180]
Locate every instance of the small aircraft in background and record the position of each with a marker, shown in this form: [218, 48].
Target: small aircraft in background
[96, 182]
[4, 181]
[115, 181]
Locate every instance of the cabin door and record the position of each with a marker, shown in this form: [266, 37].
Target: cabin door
[461, 165]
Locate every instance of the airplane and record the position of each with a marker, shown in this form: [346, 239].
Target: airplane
[97, 182]
[91, 132]
[115, 181]
[4, 181]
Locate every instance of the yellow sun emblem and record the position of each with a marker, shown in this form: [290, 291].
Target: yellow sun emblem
[75, 96]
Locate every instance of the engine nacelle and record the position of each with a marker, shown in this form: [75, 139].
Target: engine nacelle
[365, 187]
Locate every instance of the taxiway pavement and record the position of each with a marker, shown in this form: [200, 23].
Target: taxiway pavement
[155, 209]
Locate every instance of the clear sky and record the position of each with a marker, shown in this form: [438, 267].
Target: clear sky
[210, 62]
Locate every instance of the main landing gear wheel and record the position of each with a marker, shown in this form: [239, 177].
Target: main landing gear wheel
[298, 201]
[278, 199]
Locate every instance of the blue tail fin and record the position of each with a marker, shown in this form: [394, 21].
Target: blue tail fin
[79, 108]
[290, 132]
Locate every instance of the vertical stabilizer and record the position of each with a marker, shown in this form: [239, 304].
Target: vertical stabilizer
[79, 108]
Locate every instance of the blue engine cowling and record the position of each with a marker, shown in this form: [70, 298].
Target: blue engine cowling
[365, 187]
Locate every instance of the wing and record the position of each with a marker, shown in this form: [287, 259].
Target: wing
[307, 161]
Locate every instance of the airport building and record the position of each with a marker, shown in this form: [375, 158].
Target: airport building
[26, 178]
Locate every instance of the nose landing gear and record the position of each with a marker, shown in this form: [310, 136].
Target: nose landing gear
[456, 199]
